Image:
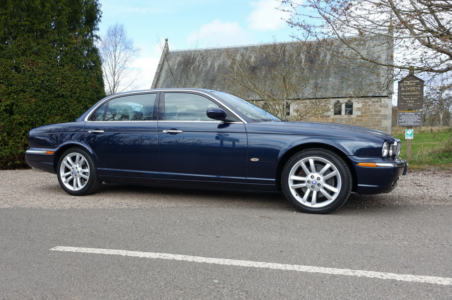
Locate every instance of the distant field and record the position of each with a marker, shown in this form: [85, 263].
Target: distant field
[429, 148]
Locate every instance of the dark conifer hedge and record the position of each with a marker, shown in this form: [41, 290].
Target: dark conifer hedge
[50, 69]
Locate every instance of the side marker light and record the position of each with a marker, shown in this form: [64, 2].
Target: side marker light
[369, 165]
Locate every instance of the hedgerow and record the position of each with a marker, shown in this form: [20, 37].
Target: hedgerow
[50, 69]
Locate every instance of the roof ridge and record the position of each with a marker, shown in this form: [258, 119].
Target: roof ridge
[228, 47]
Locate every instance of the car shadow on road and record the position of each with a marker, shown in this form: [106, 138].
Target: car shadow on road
[228, 198]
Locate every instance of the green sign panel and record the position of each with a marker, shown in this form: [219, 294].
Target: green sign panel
[409, 134]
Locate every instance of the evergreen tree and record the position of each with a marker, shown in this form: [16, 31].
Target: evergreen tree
[50, 69]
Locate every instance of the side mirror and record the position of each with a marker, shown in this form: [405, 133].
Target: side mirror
[216, 113]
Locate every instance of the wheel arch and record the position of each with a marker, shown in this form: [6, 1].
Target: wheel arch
[67, 146]
[292, 151]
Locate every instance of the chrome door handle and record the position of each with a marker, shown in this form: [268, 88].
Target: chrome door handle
[172, 131]
[96, 131]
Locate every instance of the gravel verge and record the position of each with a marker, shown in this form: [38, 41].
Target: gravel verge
[31, 189]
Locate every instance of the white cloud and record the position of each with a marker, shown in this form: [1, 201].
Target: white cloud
[267, 15]
[121, 9]
[145, 67]
[218, 33]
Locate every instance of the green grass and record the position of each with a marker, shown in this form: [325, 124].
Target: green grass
[429, 149]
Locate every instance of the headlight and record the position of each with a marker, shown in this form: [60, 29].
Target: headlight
[385, 149]
[395, 148]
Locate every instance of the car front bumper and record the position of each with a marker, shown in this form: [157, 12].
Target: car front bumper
[381, 179]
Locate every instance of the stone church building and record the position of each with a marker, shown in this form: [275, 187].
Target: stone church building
[324, 87]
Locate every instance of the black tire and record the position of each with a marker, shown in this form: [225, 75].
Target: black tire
[340, 181]
[88, 186]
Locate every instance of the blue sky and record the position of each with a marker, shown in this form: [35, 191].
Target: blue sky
[192, 23]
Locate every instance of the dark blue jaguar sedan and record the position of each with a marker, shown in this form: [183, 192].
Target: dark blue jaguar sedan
[210, 139]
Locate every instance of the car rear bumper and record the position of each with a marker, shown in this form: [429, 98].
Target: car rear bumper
[381, 179]
[39, 159]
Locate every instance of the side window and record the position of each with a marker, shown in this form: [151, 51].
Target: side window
[187, 107]
[98, 115]
[349, 108]
[131, 108]
[337, 108]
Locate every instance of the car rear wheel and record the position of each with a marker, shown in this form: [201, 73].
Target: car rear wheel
[77, 173]
[316, 181]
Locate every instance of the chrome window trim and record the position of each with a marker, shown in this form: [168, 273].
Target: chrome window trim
[158, 91]
[191, 121]
[208, 95]
[219, 122]
[113, 97]
[148, 121]
[126, 121]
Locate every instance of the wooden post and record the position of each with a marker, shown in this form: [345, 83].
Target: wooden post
[408, 142]
[408, 147]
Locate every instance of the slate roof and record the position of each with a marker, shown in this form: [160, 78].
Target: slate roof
[202, 68]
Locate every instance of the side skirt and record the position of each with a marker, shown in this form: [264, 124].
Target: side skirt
[197, 184]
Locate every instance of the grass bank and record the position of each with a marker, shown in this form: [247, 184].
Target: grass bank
[429, 149]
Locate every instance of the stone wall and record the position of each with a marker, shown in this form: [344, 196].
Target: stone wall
[374, 113]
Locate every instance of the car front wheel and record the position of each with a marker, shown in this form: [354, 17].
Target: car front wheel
[77, 173]
[316, 181]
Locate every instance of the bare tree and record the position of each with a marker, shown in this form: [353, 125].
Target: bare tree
[421, 29]
[437, 106]
[118, 54]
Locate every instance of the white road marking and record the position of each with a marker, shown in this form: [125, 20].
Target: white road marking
[263, 265]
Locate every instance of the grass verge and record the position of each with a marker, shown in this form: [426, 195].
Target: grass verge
[429, 150]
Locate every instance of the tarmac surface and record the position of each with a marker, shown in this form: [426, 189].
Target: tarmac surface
[387, 234]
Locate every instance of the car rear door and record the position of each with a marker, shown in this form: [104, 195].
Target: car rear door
[195, 147]
[123, 135]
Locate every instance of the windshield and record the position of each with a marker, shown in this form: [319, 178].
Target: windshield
[251, 111]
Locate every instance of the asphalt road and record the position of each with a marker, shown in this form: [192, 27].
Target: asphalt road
[410, 240]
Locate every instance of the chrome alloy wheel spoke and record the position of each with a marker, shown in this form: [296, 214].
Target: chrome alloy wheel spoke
[327, 166]
[320, 184]
[67, 164]
[303, 166]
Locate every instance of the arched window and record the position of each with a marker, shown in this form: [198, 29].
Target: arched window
[349, 107]
[338, 108]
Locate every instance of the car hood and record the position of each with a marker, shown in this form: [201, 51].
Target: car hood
[349, 128]
[318, 129]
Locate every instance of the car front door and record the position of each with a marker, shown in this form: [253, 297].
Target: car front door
[195, 147]
[123, 135]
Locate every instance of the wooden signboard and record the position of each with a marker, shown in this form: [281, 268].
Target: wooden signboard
[411, 93]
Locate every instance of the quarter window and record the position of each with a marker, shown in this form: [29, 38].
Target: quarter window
[131, 108]
[187, 107]
[338, 108]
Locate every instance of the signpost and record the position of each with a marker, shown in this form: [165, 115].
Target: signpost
[410, 97]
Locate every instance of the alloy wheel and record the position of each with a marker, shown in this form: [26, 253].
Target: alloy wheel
[74, 171]
[314, 182]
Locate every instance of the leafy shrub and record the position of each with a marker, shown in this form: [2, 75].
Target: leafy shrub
[50, 70]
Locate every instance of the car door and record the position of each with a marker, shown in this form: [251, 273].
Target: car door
[195, 147]
[123, 135]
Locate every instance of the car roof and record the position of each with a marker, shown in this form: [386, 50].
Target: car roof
[165, 89]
